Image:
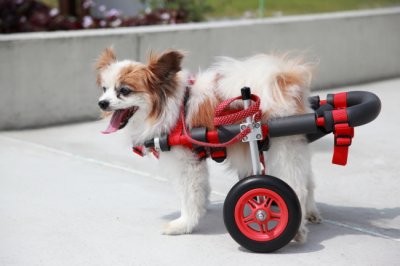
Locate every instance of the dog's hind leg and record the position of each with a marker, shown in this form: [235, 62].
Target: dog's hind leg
[194, 189]
[289, 160]
[239, 160]
[312, 213]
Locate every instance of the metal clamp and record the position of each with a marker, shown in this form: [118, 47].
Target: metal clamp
[157, 146]
[255, 133]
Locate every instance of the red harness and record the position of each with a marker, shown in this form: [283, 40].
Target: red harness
[179, 134]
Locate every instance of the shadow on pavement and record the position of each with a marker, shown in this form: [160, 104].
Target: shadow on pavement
[358, 221]
[379, 221]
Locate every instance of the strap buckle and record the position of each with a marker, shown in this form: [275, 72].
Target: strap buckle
[343, 134]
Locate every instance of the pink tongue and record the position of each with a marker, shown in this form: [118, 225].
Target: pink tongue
[115, 121]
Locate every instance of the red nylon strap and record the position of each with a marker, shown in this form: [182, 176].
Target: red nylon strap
[176, 132]
[343, 135]
[235, 139]
[340, 100]
[155, 153]
[139, 151]
[223, 117]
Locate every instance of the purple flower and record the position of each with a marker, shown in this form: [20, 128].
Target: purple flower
[165, 16]
[102, 23]
[54, 12]
[87, 21]
[147, 10]
[102, 8]
[113, 13]
[87, 4]
[116, 23]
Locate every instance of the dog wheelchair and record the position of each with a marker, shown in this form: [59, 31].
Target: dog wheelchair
[261, 212]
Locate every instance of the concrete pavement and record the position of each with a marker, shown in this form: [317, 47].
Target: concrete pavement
[71, 196]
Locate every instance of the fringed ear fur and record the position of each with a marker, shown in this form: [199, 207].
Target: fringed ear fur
[107, 57]
[167, 64]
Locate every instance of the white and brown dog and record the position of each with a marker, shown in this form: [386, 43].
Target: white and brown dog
[146, 99]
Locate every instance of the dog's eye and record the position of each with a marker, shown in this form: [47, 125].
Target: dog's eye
[104, 89]
[124, 91]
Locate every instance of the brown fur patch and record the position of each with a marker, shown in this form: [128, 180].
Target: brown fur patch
[205, 115]
[141, 79]
[285, 81]
[206, 110]
[265, 116]
[98, 79]
[166, 65]
[105, 114]
[161, 78]
[106, 58]
[136, 77]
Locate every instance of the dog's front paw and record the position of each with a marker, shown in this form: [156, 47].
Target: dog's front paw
[177, 227]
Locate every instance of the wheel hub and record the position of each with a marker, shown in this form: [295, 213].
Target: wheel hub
[261, 215]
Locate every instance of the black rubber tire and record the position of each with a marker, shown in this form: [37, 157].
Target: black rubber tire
[279, 187]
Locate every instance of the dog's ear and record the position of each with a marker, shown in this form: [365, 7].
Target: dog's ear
[107, 57]
[167, 64]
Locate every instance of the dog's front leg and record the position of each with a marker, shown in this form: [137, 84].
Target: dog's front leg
[191, 180]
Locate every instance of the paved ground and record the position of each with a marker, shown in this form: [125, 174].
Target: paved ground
[71, 196]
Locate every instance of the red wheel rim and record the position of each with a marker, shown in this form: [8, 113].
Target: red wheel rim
[261, 214]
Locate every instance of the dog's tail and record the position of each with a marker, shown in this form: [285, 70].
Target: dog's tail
[289, 86]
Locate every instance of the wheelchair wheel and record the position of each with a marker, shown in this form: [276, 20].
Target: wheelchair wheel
[262, 213]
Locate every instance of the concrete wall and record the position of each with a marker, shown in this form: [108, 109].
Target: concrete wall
[48, 78]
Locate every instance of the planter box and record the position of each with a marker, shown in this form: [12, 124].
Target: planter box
[48, 78]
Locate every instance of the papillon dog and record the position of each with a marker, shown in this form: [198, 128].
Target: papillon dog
[145, 99]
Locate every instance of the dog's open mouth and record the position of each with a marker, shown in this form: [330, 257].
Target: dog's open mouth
[119, 119]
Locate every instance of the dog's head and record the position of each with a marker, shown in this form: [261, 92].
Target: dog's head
[134, 91]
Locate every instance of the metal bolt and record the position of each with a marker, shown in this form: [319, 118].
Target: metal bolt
[256, 125]
[261, 215]
[245, 138]
[243, 127]
[258, 136]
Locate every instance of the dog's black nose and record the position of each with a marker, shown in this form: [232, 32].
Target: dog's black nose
[104, 104]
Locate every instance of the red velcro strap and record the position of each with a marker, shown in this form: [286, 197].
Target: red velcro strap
[343, 135]
[201, 154]
[340, 100]
[218, 154]
[339, 116]
[138, 150]
[340, 155]
[343, 130]
[155, 153]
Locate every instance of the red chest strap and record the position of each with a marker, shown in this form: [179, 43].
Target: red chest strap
[343, 132]
[139, 150]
